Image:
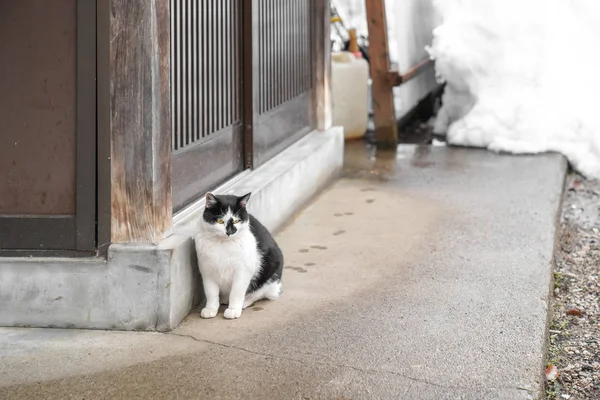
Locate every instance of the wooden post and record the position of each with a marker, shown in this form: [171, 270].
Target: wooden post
[140, 121]
[322, 57]
[386, 131]
[250, 91]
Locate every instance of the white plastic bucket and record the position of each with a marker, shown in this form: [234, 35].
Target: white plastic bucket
[350, 77]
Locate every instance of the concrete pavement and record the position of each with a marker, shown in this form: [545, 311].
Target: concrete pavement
[422, 274]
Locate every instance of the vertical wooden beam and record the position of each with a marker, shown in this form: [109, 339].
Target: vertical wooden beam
[322, 64]
[386, 131]
[140, 121]
[103, 124]
[250, 75]
[86, 126]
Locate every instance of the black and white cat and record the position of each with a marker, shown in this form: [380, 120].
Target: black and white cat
[239, 261]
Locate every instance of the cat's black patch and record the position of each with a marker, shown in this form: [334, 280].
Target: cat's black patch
[272, 259]
[230, 228]
[217, 207]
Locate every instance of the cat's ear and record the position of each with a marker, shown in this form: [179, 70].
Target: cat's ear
[211, 200]
[242, 201]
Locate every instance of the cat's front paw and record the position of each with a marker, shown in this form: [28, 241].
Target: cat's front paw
[208, 312]
[233, 313]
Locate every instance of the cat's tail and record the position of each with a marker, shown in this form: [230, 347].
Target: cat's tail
[270, 291]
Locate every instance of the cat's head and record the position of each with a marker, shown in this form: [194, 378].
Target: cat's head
[226, 215]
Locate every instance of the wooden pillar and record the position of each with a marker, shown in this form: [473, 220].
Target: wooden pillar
[386, 131]
[140, 120]
[250, 75]
[322, 64]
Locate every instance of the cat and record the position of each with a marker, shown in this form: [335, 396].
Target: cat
[239, 260]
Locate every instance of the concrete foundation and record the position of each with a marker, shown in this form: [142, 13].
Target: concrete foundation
[147, 287]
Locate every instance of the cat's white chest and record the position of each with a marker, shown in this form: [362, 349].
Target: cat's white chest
[221, 259]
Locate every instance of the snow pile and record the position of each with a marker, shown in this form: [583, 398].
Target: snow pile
[522, 76]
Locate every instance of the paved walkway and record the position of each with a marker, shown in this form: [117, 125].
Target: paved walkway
[419, 275]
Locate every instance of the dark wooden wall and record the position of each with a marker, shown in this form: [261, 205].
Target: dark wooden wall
[238, 77]
[38, 107]
[47, 127]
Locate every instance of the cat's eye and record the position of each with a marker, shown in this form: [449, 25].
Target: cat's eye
[236, 221]
[220, 221]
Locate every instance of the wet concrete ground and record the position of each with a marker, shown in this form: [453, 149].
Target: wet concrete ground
[421, 274]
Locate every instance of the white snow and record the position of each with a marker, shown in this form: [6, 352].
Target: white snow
[522, 76]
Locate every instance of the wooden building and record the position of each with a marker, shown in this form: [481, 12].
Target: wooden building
[118, 115]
